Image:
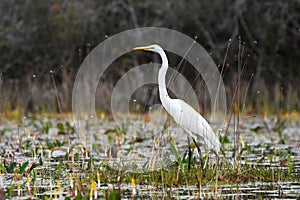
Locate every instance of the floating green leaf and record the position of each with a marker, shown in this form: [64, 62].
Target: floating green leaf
[60, 127]
[2, 168]
[10, 190]
[11, 168]
[23, 167]
[113, 195]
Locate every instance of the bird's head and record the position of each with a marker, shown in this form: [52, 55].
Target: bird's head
[154, 47]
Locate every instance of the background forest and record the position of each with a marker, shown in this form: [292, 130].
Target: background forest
[42, 44]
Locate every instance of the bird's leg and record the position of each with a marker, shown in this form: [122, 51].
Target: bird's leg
[189, 154]
[200, 154]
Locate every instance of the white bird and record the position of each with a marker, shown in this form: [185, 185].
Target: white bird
[183, 114]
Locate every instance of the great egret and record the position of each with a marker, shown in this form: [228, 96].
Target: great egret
[183, 114]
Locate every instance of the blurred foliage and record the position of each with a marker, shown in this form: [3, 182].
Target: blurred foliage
[38, 36]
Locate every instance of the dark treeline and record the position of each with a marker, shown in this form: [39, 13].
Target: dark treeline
[39, 36]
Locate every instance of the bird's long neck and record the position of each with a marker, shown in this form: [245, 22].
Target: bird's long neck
[163, 94]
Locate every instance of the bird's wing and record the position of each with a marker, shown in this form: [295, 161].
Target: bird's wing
[191, 121]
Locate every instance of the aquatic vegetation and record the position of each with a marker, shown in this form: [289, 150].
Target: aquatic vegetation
[44, 158]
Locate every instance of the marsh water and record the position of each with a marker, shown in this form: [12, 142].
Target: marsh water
[139, 146]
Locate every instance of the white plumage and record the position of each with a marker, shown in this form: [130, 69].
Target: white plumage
[183, 114]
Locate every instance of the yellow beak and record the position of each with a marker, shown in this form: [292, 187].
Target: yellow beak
[143, 48]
